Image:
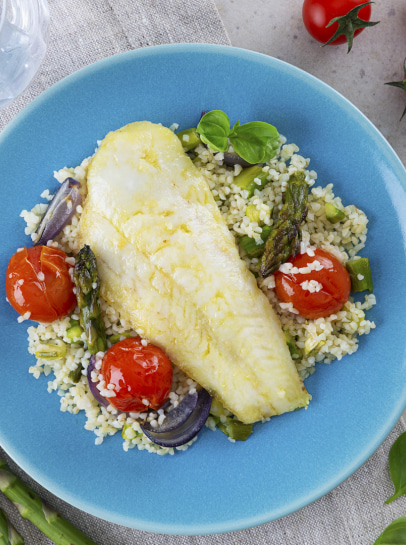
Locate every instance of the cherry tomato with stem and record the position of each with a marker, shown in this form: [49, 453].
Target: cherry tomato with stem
[324, 296]
[336, 21]
[141, 375]
[38, 282]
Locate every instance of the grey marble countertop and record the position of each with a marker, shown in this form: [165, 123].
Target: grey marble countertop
[275, 27]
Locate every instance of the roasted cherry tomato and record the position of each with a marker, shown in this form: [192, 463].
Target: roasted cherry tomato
[327, 294]
[141, 375]
[38, 282]
[317, 14]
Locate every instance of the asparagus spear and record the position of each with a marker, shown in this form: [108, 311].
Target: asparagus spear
[8, 534]
[87, 293]
[284, 240]
[31, 507]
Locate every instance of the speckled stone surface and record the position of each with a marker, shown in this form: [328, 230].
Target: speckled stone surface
[275, 27]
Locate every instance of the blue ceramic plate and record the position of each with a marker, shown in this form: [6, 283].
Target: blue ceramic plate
[215, 486]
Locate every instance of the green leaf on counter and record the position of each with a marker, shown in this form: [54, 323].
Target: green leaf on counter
[394, 534]
[397, 467]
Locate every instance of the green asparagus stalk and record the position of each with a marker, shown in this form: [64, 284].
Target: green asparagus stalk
[8, 534]
[87, 293]
[31, 507]
[284, 240]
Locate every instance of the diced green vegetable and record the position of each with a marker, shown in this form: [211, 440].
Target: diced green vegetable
[227, 424]
[51, 350]
[252, 213]
[235, 429]
[249, 245]
[119, 336]
[76, 374]
[217, 408]
[128, 433]
[246, 179]
[294, 350]
[189, 138]
[360, 274]
[333, 214]
[74, 332]
[312, 346]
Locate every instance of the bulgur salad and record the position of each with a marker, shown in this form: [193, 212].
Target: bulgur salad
[296, 241]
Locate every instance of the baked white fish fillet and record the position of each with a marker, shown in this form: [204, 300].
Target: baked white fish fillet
[168, 263]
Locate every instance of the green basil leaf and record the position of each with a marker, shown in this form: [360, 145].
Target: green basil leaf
[256, 142]
[397, 467]
[394, 534]
[214, 128]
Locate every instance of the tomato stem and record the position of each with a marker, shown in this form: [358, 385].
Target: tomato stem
[348, 24]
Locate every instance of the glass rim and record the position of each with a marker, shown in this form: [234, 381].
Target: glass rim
[2, 12]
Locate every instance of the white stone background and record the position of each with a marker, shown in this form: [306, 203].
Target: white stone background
[275, 27]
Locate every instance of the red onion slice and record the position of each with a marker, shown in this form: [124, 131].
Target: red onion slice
[182, 423]
[60, 210]
[231, 159]
[93, 385]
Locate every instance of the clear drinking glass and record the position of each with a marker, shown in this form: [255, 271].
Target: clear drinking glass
[23, 35]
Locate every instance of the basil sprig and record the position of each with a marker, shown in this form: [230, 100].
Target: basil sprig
[397, 467]
[256, 142]
[394, 534]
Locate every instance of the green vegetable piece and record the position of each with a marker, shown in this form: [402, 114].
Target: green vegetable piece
[217, 408]
[128, 433]
[252, 213]
[348, 24]
[30, 506]
[230, 426]
[401, 85]
[394, 534]
[360, 274]
[246, 179]
[284, 240]
[51, 350]
[294, 350]
[76, 375]
[190, 138]
[74, 333]
[256, 142]
[87, 293]
[8, 534]
[397, 467]
[249, 245]
[333, 214]
[312, 346]
[116, 338]
[235, 429]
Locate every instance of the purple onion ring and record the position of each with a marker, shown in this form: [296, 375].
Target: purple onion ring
[182, 423]
[93, 385]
